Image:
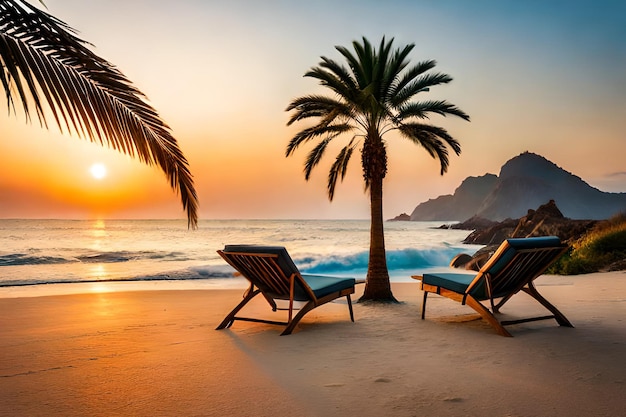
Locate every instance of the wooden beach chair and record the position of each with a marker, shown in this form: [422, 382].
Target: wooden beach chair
[273, 274]
[512, 268]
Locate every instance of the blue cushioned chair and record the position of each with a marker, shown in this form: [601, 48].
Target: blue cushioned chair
[512, 268]
[273, 274]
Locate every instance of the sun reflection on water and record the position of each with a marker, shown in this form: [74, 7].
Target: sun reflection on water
[98, 232]
[99, 228]
[98, 272]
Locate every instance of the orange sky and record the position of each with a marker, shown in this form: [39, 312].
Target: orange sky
[545, 77]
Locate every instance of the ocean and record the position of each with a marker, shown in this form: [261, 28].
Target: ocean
[37, 254]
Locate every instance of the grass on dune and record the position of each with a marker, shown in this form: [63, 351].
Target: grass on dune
[602, 248]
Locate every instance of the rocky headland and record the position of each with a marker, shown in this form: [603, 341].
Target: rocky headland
[525, 181]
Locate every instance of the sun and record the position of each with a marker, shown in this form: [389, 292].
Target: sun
[98, 171]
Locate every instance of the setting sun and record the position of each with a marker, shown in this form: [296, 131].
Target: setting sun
[98, 171]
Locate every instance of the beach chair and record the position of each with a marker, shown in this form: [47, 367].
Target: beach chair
[512, 268]
[273, 274]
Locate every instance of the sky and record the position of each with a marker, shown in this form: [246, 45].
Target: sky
[542, 76]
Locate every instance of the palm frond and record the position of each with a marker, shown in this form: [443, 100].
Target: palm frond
[331, 80]
[411, 74]
[434, 139]
[419, 85]
[422, 109]
[313, 132]
[394, 68]
[379, 66]
[349, 84]
[315, 156]
[358, 64]
[339, 168]
[43, 60]
[317, 106]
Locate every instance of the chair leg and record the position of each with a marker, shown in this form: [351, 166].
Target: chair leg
[497, 307]
[292, 323]
[558, 316]
[350, 307]
[230, 318]
[486, 314]
[270, 301]
[305, 309]
[424, 304]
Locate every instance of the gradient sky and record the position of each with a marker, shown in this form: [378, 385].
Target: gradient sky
[547, 77]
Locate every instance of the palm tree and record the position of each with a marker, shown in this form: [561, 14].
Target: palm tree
[372, 97]
[43, 62]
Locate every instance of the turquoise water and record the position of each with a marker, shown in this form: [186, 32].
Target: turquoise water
[75, 251]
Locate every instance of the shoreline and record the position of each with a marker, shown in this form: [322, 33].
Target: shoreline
[123, 285]
[156, 353]
[88, 287]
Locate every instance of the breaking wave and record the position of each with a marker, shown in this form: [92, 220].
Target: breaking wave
[397, 260]
[16, 259]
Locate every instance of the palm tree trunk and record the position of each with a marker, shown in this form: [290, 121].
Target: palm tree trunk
[377, 286]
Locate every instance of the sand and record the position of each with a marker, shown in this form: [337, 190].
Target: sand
[156, 353]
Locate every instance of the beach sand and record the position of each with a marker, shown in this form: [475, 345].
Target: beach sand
[156, 353]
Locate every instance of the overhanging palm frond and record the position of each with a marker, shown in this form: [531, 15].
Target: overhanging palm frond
[43, 60]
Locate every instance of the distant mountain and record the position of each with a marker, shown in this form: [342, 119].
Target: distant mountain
[526, 181]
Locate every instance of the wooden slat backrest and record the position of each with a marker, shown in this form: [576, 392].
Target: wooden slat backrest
[523, 267]
[261, 269]
[526, 265]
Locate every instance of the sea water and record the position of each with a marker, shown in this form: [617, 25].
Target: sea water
[43, 252]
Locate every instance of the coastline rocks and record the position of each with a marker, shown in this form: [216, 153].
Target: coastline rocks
[401, 218]
[474, 223]
[547, 220]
